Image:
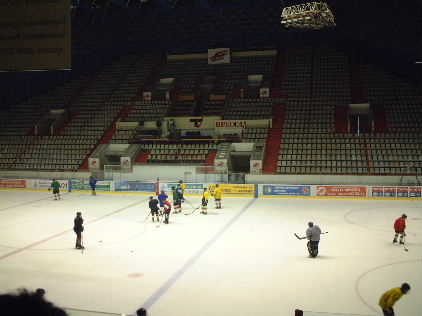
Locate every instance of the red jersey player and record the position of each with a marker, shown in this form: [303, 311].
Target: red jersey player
[399, 227]
[167, 210]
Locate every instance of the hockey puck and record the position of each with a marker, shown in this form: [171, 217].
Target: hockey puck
[131, 251]
[101, 241]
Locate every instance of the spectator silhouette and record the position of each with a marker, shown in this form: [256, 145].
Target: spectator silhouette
[28, 304]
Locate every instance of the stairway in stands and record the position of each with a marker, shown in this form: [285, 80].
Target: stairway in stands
[341, 119]
[142, 157]
[209, 161]
[356, 90]
[274, 139]
[278, 74]
[151, 79]
[380, 119]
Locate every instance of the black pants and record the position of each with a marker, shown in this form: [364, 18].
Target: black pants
[388, 312]
[313, 248]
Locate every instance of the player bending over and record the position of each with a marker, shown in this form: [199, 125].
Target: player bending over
[167, 210]
[399, 227]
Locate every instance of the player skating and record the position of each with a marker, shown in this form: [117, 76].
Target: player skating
[176, 200]
[55, 185]
[217, 196]
[205, 198]
[161, 198]
[78, 228]
[153, 206]
[389, 298]
[93, 185]
[399, 227]
[313, 234]
[167, 210]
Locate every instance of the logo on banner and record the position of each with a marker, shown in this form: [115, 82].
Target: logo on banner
[197, 122]
[264, 92]
[218, 56]
[146, 96]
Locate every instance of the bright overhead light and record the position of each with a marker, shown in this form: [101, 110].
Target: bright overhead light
[314, 15]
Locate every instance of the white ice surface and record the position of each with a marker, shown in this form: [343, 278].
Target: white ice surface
[240, 260]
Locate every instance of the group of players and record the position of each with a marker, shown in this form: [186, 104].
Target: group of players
[161, 206]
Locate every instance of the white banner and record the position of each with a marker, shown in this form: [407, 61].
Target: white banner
[230, 124]
[125, 162]
[146, 96]
[255, 166]
[264, 92]
[94, 163]
[219, 56]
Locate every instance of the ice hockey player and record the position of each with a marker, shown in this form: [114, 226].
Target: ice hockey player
[78, 228]
[56, 189]
[153, 206]
[205, 197]
[217, 196]
[161, 197]
[399, 227]
[176, 200]
[167, 210]
[313, 234]
[93, 185]
[181, 189]
[389, 298]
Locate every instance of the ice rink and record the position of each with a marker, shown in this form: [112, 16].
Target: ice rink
[241, 260]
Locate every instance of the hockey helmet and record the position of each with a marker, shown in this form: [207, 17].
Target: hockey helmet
[405, 287]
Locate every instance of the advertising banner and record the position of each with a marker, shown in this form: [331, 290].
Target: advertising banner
[39, 184]
[329, 190]
[389, 191]
[230, 124]
[84, 185]
[290, 190]
[134, 186]
[218, 56]
[191, 188]
[13, 183]
[415, 192]
[377, 191]
[125, 163]
[402, 191]
[35, 35]
[255, 166]
[264, 92]
[94, 163]
[243, 189]
[146, 96]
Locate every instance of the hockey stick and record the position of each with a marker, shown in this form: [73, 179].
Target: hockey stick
[193, 210]
[159, 221]
[404, 244]
[299, 237]
[190, 204]
[305, 236]
[146, 217]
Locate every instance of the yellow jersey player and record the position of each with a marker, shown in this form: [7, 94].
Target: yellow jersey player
[205, 197]
[217, 196]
